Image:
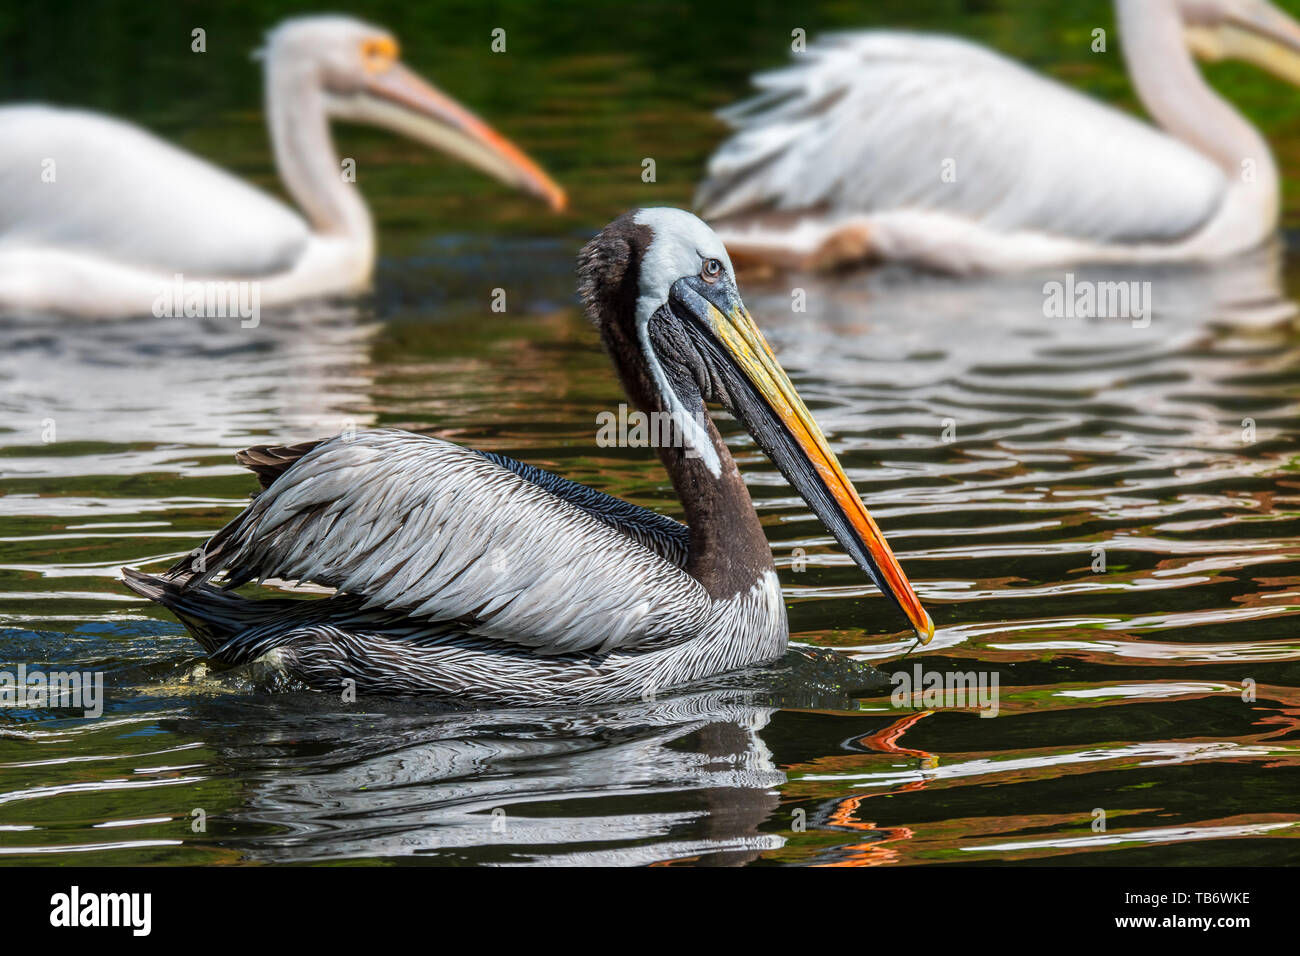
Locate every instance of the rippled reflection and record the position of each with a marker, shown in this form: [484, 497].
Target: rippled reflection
[1077, 502]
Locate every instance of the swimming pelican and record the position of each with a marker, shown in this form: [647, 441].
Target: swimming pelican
[934, 151]
[479, 578]
[100, 215]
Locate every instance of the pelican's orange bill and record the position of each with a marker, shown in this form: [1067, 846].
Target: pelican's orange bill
[403, 101]
[754, 358]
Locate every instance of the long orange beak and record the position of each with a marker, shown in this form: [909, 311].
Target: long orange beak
[797, 446]
[402, 101]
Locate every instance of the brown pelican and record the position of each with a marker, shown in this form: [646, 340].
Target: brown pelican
[479, 578]
[99, 215]
[938, 152]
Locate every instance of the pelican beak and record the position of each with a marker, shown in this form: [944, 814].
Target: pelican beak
[398, 99]
[1253, 31]
[755, 388]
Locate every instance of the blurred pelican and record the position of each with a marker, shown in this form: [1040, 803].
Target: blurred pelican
[99, 214]
[934, 151]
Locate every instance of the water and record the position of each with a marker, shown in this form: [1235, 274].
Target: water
[1004, 453]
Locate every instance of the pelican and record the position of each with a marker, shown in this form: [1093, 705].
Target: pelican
[99, 215]
[937, 152]
[478, 578]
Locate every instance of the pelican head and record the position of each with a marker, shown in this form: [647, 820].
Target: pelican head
[355, 67]
[1254, 31]
[660, 286]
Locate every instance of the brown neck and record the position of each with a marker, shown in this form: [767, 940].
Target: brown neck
[729, 551]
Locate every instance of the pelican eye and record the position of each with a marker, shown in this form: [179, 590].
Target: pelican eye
[711, 271]
[378, 54]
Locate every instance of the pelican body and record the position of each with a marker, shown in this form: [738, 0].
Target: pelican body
[477, 578]
[99, 215]
[933, 151]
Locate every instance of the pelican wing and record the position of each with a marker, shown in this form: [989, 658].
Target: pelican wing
[82, 182]
[661, 534]
[868, 122]
[444, 533]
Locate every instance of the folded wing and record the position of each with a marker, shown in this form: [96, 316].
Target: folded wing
[444, 533]
[869, 122]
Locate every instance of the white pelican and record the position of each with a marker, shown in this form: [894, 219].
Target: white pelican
[100, 215]
[934, 151]
[478, 578]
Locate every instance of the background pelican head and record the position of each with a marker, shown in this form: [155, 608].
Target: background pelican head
[1161, 39]
[661, 289]
[1253, 31]
[335, 67]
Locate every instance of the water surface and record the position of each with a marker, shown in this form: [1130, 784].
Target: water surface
[1003, 452]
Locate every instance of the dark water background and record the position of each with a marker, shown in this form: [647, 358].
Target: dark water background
[1120, 690]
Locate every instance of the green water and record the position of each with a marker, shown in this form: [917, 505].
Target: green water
[1123, 689]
